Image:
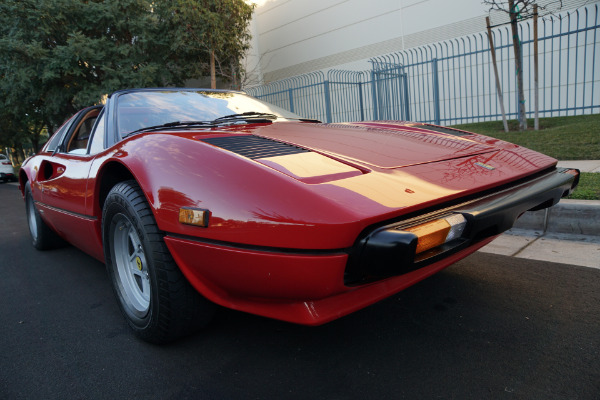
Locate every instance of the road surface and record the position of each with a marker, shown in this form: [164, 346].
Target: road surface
[490, 326]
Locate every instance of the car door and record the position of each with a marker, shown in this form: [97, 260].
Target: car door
[63, 180]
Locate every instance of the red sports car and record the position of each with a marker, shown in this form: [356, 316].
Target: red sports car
[195, 197]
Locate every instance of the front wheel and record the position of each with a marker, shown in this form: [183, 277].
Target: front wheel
[153, 295]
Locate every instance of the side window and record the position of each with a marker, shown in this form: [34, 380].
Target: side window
[56, 138]
[78, 142]
[97, 144]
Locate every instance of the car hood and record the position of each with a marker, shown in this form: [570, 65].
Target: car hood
[321, 153]
[383, 145]
[313, 178]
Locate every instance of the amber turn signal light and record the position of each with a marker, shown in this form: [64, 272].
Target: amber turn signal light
[435, 233]
[194, 216]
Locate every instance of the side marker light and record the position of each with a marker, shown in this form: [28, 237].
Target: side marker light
[194, 216]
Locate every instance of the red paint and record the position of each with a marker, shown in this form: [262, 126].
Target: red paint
[298, 224]
[295, 288]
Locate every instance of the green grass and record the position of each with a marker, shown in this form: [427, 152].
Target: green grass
[589, 187]
[564, 138]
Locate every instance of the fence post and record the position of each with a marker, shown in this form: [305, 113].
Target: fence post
[374, 94]
[291, 95]
[436, 92]
[327, 101]
[406, 99]
[536, 89]
[360, 98]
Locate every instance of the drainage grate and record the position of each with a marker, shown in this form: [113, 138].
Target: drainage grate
[254, 147]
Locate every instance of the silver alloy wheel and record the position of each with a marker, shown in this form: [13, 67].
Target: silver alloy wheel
[33, 227]
[131, 269]
[157, 301]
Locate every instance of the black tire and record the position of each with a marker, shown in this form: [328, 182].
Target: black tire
[157, 301]
[42, 236]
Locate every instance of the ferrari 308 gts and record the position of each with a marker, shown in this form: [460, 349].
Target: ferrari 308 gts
[195, 197]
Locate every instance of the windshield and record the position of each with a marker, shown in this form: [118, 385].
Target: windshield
[138, 110]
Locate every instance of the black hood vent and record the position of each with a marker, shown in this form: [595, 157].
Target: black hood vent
[254, 146]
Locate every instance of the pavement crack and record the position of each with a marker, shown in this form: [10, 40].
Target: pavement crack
[522, 249]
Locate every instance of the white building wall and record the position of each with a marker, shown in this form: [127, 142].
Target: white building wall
[294, 37]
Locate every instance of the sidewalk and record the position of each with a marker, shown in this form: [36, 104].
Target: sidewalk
[582, 165]
[570, 249]
[567, 233]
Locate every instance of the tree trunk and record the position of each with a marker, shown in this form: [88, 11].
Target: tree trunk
[35, 138]
[17, 155]
[518, 66]
[213, 74]
[35, 142]
[498, 87]
[234, 77]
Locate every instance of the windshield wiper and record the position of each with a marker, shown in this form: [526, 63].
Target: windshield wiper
[255, 116]
[170, 125]
[248, 116]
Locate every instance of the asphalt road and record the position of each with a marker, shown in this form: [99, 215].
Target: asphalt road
[490, 327]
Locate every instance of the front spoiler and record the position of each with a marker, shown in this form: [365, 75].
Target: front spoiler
[390, 251]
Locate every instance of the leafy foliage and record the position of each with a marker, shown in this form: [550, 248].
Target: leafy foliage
[57, 56]
[222, 36]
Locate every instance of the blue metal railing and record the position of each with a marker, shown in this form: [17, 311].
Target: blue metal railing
[452, 82]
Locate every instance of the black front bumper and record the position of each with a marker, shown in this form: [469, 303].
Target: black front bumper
[390, 251]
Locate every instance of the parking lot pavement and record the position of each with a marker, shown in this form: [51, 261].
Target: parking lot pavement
[487, 327]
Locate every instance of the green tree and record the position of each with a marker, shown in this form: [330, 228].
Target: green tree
[519, 10]
[60, 55]
[213, 29]
[57, 56]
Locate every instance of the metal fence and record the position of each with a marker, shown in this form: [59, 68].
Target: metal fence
[453, 82]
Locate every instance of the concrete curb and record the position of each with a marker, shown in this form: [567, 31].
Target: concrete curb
[578, 217]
